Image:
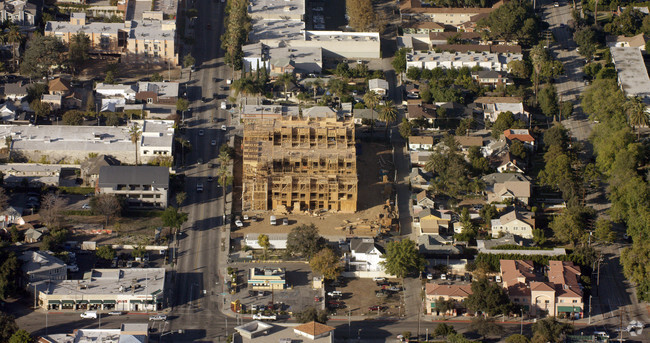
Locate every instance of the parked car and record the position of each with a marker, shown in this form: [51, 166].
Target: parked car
[381, 294]
[85, 207]
[115, 313]
[238, 223]
[213, 142]
[377, 308]
[89, 315]
[378, 279]
[285, 221]
[224, 128]
[429, 276]
[158, 317]
[201, 132]
[224, 105]
[335, 293]
[73, 268]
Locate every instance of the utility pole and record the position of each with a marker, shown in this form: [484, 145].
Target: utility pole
[419, 307]
[589, 310]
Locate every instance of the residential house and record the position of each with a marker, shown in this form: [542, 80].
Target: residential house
[128, 332]
[365, 256]
[158, 93]
[54, 100]
[447, 60]
[267, 279]
[8, 111]
[107, 90]
[503, 186]
[419, 159]
[34, 235]
[361, 115]
[631, 72]
[121, 289]
[423, 199]
[521, 135]
[418, 178]
[491, 107]
[90, 168]
[37, 175]
[41, 266]
[142, 186]
[496, 246]
[418, 110]
[622, 41]
[457, 292]
[412, 91]
[436, 245]
[441, 38]
[20, 12]
[430, 221]
[494, 147]
[378, 86]
[59, 86]
[421, 142]
[492, 78]
[560, 296]
[423, 27]
[276, 240]
[515, 222]
[508, 163]
[466, 142]
[11, 215]
[16, 91]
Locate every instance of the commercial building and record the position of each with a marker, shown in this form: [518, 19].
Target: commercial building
[70, 144]
[632, 73]
[299, 163]
[123, 289]
[267, 279]
[257, 331]
[128, 332]
[487, 60]
[141, 186]
[162, 93]
[303, 61]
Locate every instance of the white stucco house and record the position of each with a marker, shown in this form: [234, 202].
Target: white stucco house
[364, 258]
[518, 223]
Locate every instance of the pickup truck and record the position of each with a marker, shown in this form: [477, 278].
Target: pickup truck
[263, 317]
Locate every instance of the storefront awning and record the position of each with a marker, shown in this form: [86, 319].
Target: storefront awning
[82, 301]
[109, 301]
[569, 309]
[69, 302]
[51, 302]
[135, 301]
[95, 301]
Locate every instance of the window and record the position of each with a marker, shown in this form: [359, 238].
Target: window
[575, 301]
[546, 301]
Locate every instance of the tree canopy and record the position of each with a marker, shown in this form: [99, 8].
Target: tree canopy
[42, 53]
[304, 240]
[513, 21]
[311, 314]
[362, 15]
[326, 263]
[550, 329]
[402, 258]
[488, 297]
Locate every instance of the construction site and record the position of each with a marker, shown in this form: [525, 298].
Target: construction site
[294, 164]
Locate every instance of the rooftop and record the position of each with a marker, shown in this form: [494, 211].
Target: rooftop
[313, 328]
[157, 177]
[281, 30]
[98, 27]
[146, 281]
[632, 72]
[274, 9]
[38, 261]
[163, 89]
[448, 289]
[152, 30]
[128, 333]
[469, 56]
[342, 36]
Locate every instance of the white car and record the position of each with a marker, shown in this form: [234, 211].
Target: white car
[229, 81]
[224, 128]
[556, 4]
[224, 106]
[85, 207]
[89, 314]
[378, 279]
[429, 276]
[213, 142]
[238, 223]
[158, 317]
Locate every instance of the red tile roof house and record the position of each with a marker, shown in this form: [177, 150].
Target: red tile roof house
[456, 292]
[522, 135]
[559, 296]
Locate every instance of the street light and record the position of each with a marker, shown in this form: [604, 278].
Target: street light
[521, 328]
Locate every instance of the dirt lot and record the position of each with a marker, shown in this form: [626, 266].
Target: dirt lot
[127, 71]
[372, 158]
[359, 294]
[126, 230]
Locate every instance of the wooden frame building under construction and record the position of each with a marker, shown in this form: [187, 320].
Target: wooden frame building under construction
[300, 164]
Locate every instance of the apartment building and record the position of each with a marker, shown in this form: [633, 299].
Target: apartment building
[299, 163]
[142, 186]
[413, 10]
[19, 12]
[487, 60]
[136, 40]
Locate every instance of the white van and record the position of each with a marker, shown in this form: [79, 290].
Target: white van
[224, 105]
[273, 221]
[89, 315]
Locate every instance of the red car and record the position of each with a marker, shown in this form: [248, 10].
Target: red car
[377, 308]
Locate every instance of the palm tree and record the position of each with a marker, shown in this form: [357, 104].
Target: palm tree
[371, 99]
[135, 133]
[14, 37]
[315, 85]
[286, 80]
[388, 113]
[636, 114]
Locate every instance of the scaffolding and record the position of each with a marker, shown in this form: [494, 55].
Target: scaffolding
[299, 164]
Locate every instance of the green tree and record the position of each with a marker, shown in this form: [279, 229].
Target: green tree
[548, 100]
[7, 326]
[566, 109]
[40, 108]
[173, 218]
[518, 149]
[513, 21]
[635, 261]
[388, 114]
[134, 134]
[405, 128]
[16, 236]
[485, 327]
[413, 73]
[139, 251]
[182, 105]
[311, 314]
[78, 49]
[304, 240]
[362, 15]
[488, 298]
[519, 69]
[188, 61]
[180, 198]
[443, 330]
[402, 258]
[73, 117]
[156, 77]
[558, 173]
[449, 168]
[505, 120]
[604, 231]
[326, 263]
[399, 61]
[110, 77]
[603, 100]
[112, 120]
[21, 336]
[371, 99]
[587, 41]
[263, 241]
[9, 276]
[42, 53]
[517, 338]
[569, 227]
[636, 113]
[286, 80]
[105, 252]
[550, 329]
[465, 126]
[14, 37]
[628, 23]
[556, 135]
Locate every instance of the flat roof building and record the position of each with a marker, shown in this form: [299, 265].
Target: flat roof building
[142, 186]
[632, 73]
[446, 60]
[127, 333]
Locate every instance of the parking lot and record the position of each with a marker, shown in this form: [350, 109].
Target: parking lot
[358, 295]
[298, 295]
